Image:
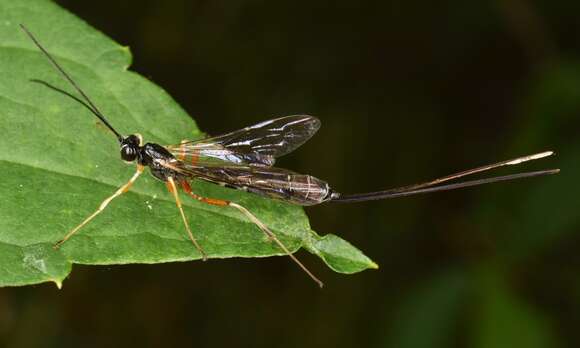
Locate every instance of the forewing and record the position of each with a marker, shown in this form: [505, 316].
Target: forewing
[259, 144]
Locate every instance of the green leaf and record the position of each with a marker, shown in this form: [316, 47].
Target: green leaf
[58, 163]
[338, 254]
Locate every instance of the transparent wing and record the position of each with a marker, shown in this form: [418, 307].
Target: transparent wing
[269, 182]
[259, 144]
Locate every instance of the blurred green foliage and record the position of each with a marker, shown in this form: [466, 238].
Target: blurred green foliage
[406, 91]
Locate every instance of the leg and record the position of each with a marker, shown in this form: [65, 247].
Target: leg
[173, 189]
[103, 205]
[255, 220]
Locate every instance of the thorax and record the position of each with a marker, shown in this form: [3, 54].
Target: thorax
[156, 157]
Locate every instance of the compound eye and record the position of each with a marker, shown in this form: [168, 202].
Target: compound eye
[128, 153]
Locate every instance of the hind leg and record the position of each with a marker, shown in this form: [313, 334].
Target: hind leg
[252, 218]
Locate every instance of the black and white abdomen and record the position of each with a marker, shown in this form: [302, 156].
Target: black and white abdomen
[306, 190]
[293, 188]
[270, 182]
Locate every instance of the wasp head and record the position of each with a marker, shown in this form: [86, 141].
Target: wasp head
[130, 147]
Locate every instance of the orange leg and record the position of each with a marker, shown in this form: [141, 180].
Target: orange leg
[223, 203]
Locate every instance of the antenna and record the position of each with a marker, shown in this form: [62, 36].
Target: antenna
[90, 105]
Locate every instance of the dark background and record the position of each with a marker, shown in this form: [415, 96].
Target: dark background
[406, 91]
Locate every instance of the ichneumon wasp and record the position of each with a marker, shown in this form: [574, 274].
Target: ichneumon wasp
[244, 160]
